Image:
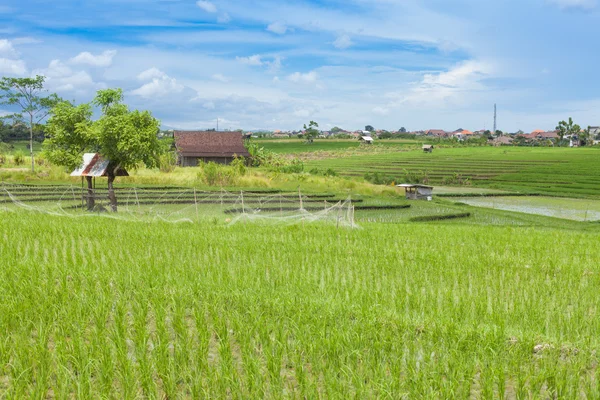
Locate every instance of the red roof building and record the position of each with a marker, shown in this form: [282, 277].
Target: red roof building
[208, 146]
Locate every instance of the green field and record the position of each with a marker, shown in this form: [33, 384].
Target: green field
[552, 171]
[288, 146]
[107, 308]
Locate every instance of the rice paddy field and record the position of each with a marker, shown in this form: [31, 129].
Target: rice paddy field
[576, 209]
[551, 171]
[102, 308]
[194, 292]
[294, 145]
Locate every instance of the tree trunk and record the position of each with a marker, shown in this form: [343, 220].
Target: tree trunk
[90, 200]
[31, 142]
[111, 192]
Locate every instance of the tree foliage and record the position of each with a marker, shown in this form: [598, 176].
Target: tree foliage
[126, 138]
[311, 131]
[26, 94]
[369, 128]
[569, 128]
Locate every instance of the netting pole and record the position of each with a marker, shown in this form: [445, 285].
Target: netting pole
[196, 205]
[280, 205]
[337, 224]
[221, 196]
[137, 200]
[243, 207]
[82, 193]
[74, 197]
[300, 197]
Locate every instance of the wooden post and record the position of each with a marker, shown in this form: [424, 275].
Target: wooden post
[137, 200]
[300, 197]
[196, 205]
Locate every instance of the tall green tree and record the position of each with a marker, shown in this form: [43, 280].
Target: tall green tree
[569, 128]
[27, 94]
[126, 138]
[311, 131]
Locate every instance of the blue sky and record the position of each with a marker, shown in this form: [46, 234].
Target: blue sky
[267, 64]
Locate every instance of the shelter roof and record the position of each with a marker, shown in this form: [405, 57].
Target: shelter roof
[94, 165]
[410, 185]
[210, 144]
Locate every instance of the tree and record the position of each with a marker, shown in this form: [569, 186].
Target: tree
[565, 128]
[369, 128]
[336, 129]
[26, 93]
[402, 130]
[311, 131]
[126, 138]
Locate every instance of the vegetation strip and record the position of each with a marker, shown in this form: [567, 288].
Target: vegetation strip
[440, 217]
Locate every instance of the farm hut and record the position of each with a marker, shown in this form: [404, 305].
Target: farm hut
[417, 192]
[428, 148]
[366, 139]
[95, 166]
[219, 147]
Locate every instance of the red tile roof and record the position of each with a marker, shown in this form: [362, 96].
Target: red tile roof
[209, 144]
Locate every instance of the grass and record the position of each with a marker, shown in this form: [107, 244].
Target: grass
[415, 310]
[290, 146]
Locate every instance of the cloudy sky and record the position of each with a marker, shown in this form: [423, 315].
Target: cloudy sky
[276, 64]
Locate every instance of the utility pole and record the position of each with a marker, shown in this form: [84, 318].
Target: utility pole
[494, 133]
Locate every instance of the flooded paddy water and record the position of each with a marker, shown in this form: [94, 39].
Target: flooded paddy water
[566, 208]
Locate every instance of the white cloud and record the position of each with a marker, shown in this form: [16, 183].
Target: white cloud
[381, 111]
[457, 84]
[574, 4]
[77, 82]
[275, 65]
[150, 74]
[159, 86]
[220, 78]
[224, 18]
[302, 113]
[12, 67]
[343, 42]
[26, 40]
[255, 60]
[207, 6]
[298, 77]
[100, 60]
[57, 69]
[278, 27]
[7, 50]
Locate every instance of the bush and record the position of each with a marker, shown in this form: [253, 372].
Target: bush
[295, 167]
[19, 158]
[440, 217]
[239, 166]
[214, 174]
[167, 162]
[40, 160]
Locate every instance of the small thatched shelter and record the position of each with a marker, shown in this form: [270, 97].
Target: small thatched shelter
[94, 166]
[417, 192]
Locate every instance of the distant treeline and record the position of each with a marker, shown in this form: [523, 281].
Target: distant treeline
[11, 133]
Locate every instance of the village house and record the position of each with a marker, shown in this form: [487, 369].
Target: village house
[436, 133]
[462, 134]
[208, 146]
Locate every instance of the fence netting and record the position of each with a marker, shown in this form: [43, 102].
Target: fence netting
[180, 204]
